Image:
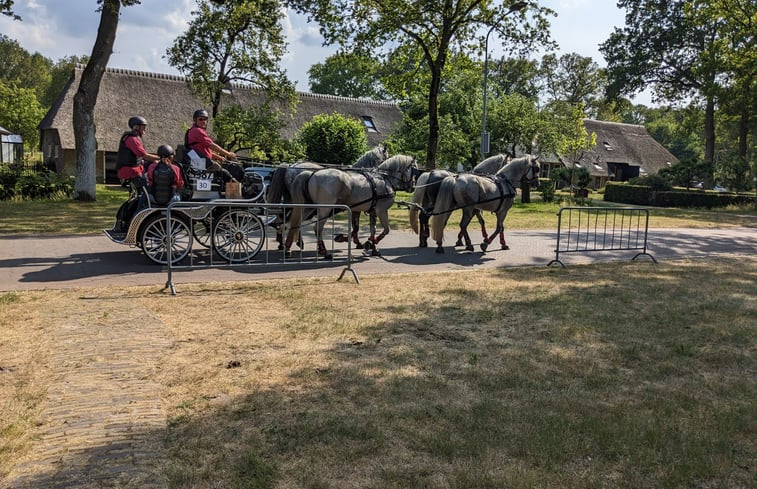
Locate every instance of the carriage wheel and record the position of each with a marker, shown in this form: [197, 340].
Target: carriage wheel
[201, 231]
[155, 240]
[238, 235]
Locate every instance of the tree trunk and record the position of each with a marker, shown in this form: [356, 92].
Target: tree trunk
[433, 118]
[525, 191]
[709, 139]
[86, 98]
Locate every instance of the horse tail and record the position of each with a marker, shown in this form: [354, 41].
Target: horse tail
[442, 208]
[418, 194]
[275, 191]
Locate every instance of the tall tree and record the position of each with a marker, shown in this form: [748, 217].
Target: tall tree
[431, 27]
[21, 112]
[347, 75]
[26, 69]
[86, 97]
[671, 47]
[232, 41]
[573, 79]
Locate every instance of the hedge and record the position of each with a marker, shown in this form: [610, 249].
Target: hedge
[642, 195]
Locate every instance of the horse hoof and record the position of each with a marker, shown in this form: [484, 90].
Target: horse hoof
[505, 247]
[484, 246]
[340, 238]
[439, 250]
[459, 242]
[327, 256]
[367, 246]
[375, 252]
[469, 248]
[281, 247]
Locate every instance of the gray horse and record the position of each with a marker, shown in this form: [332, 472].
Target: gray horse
[427, 188]
[487, 193]
[363, 190]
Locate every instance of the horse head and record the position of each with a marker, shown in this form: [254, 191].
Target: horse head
[402, 169]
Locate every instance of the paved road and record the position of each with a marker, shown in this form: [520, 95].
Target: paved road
[53, 262]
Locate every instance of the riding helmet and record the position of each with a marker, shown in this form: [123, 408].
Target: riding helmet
[165, 151]
[137, 121]
[200, 113]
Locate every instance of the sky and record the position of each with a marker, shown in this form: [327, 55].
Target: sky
[60, 28]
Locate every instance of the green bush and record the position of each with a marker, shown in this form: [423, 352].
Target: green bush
[628, 194]
[8, 179]
[656, 182]
[547, 189]
[643, 195]
[33, 185]
[334, 139]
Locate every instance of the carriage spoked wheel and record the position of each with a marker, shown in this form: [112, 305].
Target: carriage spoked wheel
[155, 239]
[238, 235]
[201, 231]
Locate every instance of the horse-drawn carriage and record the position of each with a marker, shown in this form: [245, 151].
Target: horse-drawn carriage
[206, 214]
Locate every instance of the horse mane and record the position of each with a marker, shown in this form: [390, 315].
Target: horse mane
[491, 164]
[517, 167]
[397, 161]
[371, 159]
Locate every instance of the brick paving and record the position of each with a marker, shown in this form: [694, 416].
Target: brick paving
[103, 419]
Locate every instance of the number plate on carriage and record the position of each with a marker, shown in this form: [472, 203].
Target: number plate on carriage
[202, 184]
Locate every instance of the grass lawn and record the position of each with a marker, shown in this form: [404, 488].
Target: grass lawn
[606, 376]
[68, 217]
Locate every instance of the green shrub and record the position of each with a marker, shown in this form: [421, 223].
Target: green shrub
[547, 189]
[628, 194]
[656, 182]
[334, 139]
[8, 179]
[43, 185]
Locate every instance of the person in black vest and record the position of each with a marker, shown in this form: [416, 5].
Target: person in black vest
[132, 154]
[164, 178]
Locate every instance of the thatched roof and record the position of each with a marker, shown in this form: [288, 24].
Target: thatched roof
[167, 103]
[628, 144]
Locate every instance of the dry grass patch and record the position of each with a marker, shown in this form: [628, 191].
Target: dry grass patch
[609, 375]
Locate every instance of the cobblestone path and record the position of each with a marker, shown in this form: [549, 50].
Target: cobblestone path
[103, 419]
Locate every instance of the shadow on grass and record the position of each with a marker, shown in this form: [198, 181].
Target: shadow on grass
[626, 375]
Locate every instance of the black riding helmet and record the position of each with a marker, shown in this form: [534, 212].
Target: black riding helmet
[166, 150]
[200, 113]
[137, 121]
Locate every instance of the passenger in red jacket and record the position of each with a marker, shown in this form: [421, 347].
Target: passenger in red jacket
[197, 139]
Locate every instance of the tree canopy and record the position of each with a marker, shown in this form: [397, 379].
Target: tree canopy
[428, 31]
[232, 41]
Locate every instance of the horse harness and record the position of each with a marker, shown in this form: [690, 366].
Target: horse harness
[504, 186]
[369, 176]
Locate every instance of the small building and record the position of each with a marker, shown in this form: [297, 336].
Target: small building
[622, 152]
[11, 147]
[167, 103]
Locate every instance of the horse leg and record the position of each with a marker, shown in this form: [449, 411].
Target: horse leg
[502, 242]
[424, 230]
[322, 251]
[481, 221]
[356, 229]
[464, 221]
[384, 218]
[487, 241]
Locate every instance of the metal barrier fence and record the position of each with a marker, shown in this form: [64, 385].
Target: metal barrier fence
[588, 229]
[239, 233]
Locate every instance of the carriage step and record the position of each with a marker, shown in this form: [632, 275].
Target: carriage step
[115, 236]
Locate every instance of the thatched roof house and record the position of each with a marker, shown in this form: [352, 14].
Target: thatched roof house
[623, 151]
[167, 103]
